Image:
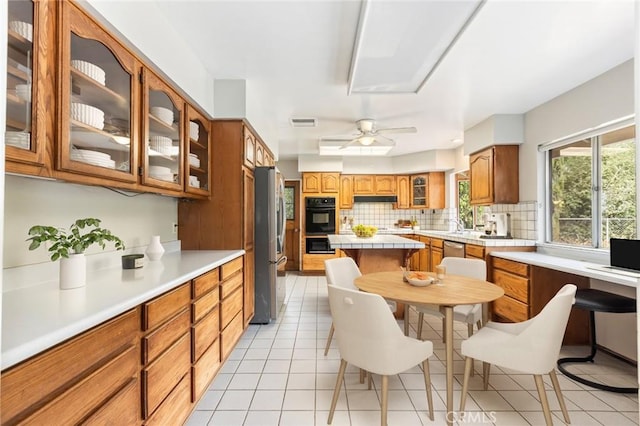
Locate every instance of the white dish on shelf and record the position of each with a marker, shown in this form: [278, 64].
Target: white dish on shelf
[87, 114]
[163, 176]
[194, 160]
[23, 91]
[163, 114]
[161, 144]
[92, 71]
[194, 181]
[87, 153]
[194, 130]
[25, 29]
[18, 139]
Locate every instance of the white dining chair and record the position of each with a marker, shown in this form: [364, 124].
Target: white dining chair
[530, 347]
[470, 314]
[368, 337]
[341, 272]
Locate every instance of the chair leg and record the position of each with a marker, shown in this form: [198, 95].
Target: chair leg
[468, 366]
[336, 391]
[470, 330]
[543, 399]
[329, 338]
[479, 324]
[363, 373]
[556, 388]
[370, 376]
[427, 384]
[444, 339]
[419, 331]
[486, 369]
[405, 320]
[385, 400]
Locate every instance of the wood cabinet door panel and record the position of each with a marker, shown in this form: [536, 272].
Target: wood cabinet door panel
[230, 285]
[231, 268]
[403, 192]
[230, 307]
[77, 402]
[363, 185]
[511, 309]
[513, 285]
[249, 286]
[204, 333]
[436, 258]
[176, 408]
[48, 372]
[481, 177]
[516, 268]
[230, 336]
[474, 251]
[160, 377]
[205, 283]
[205, 370]
[346, 192]
[164, 336]
[311, 182]
[204, 305]
[121, 409]
[385, 184]
[249, 148]
[330, 182]
[164, 307]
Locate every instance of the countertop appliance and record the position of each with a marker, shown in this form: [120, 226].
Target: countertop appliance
[320, 215]
[498, 225]
[269, 239]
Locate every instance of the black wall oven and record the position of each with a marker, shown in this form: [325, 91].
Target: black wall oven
[320, 216]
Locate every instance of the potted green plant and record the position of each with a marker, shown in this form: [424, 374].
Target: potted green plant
[69, 246]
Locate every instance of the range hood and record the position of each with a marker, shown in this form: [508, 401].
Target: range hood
[375, 199]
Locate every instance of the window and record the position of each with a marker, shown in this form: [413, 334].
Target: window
[591, 190]
[471, 216]
[290, 202]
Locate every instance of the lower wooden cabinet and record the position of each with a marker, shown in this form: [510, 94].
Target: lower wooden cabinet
[149, 365]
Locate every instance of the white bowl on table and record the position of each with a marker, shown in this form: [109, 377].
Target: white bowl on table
[418, 278]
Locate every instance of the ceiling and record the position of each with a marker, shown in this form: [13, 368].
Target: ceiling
[296, 58]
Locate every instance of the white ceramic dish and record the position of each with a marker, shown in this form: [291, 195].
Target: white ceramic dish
[194, 130]
[23, 91]
[159, 170]
[88, 115]
[412, 278]
[25, 29]
[18, 139]
[161, 144]
[163, 114]
[92, 71]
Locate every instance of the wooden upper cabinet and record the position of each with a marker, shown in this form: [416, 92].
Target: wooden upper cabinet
[163, 135]
[311, 182]
[385, 184]
[364, 185]
[249, 148]
[30, 87]
[316, 182]
[98, 111]
[403, 192]
[197, 157]
[419, 188]
[494, 175]
[346, 192]
[330, 182]
[427, 191]
[436, 191]
[268, 158]
[260, 154]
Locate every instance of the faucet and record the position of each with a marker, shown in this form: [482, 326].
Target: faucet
[459, 225]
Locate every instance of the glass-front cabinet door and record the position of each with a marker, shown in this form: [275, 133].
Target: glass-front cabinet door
[99, 92]
[419, 191]
[197, 159]
[163, 134]
[30, 77]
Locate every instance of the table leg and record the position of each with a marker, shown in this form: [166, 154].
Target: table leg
[406, 320]
[448, 330]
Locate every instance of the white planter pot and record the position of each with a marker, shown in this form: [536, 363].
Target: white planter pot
[154, 249]
[73, 271]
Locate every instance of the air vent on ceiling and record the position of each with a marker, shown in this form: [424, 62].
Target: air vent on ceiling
[303, 122]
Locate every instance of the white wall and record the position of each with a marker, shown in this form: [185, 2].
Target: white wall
[289, 169]
[499, 129]
[30, 201]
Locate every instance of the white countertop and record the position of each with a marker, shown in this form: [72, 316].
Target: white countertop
[469, 237]
[577, 267]
[35, 318]
[378, 241]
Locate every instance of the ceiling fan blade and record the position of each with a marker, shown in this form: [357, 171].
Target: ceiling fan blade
[383, 141]
[336, 139]
[355, 141]
[398, 130]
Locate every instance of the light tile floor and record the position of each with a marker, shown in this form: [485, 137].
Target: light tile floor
[278, 375]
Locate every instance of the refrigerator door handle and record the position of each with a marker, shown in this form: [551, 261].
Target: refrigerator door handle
[279, 261]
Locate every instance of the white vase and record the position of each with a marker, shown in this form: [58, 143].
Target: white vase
[154, 249]
[73, 271]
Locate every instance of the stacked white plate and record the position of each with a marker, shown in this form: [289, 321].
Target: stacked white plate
[194, 160]
[194, 181]
[93, 157]
[23, 91]
[92, 71]
[88, 115]
[25, 29]
[161, 144]
[194, 130]
[161, 173]
[18, 139]
[163, 114]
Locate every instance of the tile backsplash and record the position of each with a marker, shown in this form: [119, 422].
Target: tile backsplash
[382, 215]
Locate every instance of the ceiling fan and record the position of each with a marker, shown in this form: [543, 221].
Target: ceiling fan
[368, 134]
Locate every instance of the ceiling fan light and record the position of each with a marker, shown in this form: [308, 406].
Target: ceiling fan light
[366, 140]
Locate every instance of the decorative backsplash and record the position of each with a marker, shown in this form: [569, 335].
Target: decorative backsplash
[523, 217]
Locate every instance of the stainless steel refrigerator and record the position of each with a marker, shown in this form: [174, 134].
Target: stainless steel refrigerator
[269, 239]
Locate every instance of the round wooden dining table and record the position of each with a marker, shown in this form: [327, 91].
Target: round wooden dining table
[453, 290]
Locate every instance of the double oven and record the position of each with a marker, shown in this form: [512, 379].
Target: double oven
[320, 220]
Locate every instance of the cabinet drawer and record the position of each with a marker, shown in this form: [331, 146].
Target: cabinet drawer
[163, 374]
[205, 283]
[513, 285]
[204, 305]
[205, 369]
[517, 268]
[511, 309]
[204, 333]
[176, 408]
[229, 285]
[231, 268]
[229, 307]
[52, 370]
[78, 401]
[435, 242]
[475, 251]
[230, 336]
[164, 307]
[164, 336]
[121, 409]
